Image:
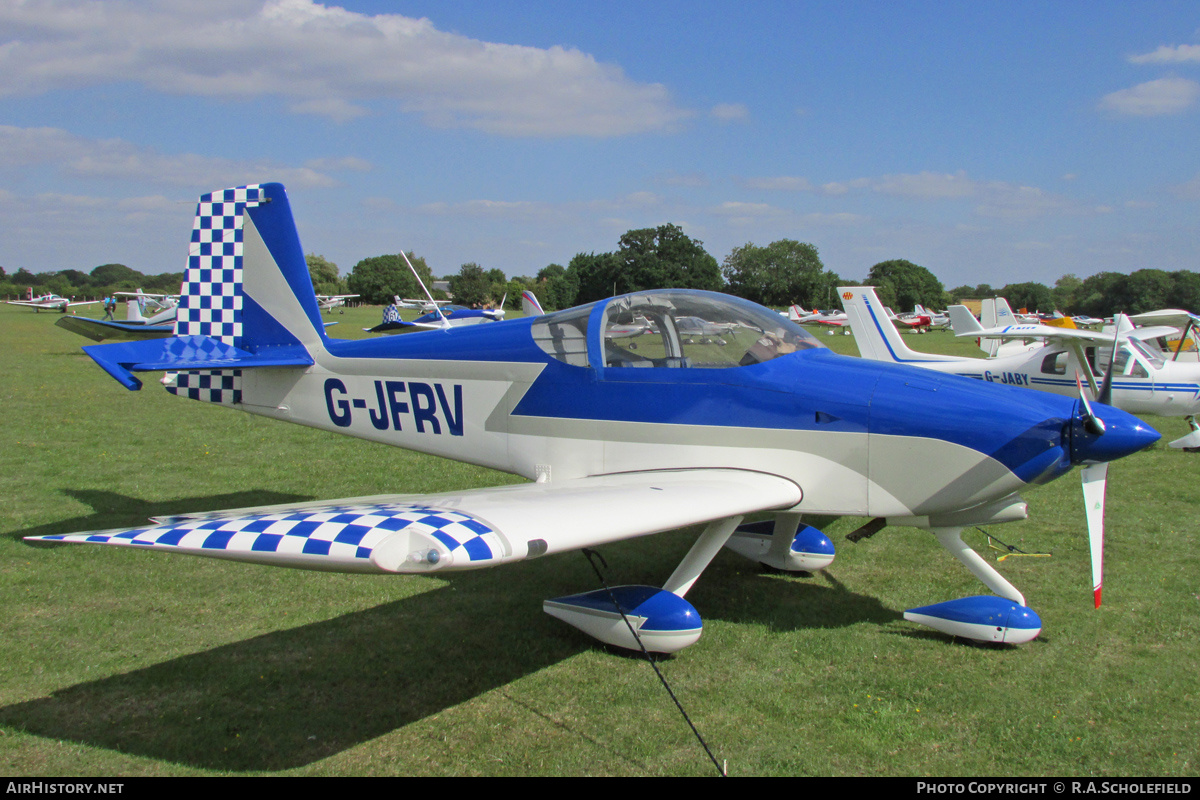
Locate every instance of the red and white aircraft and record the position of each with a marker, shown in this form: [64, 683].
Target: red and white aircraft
[50, 302]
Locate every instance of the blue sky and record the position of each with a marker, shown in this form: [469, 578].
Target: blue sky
[990, 142]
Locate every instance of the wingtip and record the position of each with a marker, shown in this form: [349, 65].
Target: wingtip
[1096, 593]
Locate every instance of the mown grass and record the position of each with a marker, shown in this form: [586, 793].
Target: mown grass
[138, 663]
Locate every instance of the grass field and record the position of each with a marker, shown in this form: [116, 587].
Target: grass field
[138, 663]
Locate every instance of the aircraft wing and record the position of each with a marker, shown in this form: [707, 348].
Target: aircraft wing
[459, 530]
[400, 326]
[99, 330]
[1165, 316]
[1153, 332]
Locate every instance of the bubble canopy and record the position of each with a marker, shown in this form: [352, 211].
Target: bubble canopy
[671, 328]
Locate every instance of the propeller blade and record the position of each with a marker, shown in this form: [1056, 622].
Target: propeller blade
[1094, 480]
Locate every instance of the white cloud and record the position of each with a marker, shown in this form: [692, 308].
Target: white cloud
[510, 210]
[689, 180]
[116, 159]
[1006, 201]
[738, 209]
[1178, 54]
[1163, 96]
[1189, 190]
[786, 183]
[729, 112]
[324, 60]
[990, 198]
[927, 185]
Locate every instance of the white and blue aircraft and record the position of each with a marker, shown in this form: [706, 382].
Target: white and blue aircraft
[615, 443]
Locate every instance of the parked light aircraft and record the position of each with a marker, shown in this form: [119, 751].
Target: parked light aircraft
[816, 317]
[50, 302]
[148, 302]
[936, 320]
[135, 326]
[328, 302]
[448, 316]
[796, 313]
[616, 444]
[916, 322]
[1143, 382]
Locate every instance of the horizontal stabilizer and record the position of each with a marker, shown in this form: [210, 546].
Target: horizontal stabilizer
[1036, 332]
[963, 322]
[122, 359]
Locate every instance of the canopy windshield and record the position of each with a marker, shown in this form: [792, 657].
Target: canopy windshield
[700, 330]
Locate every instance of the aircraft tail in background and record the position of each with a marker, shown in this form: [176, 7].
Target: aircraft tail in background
[530, 304]
[875, 335]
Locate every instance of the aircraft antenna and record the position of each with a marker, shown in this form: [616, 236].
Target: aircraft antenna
[428, 296]
[592, 555]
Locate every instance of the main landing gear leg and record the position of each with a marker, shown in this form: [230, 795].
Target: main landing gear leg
[663, 620]
[982, 618]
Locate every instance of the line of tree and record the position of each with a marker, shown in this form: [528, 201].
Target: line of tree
[778, 274]
[100, 282]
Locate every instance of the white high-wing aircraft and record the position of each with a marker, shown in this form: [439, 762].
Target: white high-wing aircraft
[151, 302]
[50, 302]
[1143, 382]
[615, 444]
[328, 302]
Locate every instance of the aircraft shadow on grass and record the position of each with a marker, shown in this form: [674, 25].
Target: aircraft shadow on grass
[291, 697]
[113, 510]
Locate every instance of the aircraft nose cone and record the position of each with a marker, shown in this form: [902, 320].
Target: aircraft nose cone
[1124, 434]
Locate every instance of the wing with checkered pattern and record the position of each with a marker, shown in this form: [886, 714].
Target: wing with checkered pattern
[460, 530]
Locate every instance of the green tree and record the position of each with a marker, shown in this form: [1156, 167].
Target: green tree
[595, 275]
[556, 287]
[902, 284]
[324, 274]
[662, 257]
[80, 280]
[1148, 290]
[379, 278]
[1099, 294]
[116, 276]
[1186, 292]
[166, 283]
[1031, 296]
[782, 273]
[1065, 289]
[472, 286]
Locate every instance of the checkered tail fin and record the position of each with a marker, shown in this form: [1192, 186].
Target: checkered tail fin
[247, 286]
[246, 301]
